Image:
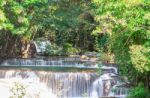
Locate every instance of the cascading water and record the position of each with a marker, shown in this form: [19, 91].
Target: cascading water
[60, 84]
[41, 46]
[61, 62]
[30, 81]
[96, 92]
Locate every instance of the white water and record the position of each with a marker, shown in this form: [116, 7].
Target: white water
[41, 46]
[33, 87]
[50, 62]
[46, 84]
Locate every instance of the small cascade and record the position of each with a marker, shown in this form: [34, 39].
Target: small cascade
[61, 62]
[111, 85]
[41, 46]
[109, 69]
[105, 82]
[119, 90]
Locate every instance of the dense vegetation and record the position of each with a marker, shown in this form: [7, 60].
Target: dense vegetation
[65, 23]
[125, 25]
[118, 29]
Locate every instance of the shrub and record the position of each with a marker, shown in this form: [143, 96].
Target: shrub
[107, 57]
[139, 92]
[53, 50]
[18, 90]
[68, 49]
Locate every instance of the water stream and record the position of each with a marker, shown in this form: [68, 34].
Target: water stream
[61, 62]
[53, 84]
[41, 46]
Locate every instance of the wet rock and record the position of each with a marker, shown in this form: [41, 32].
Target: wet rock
[91, 54]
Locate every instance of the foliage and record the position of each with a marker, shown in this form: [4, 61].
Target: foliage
[63, 23]
[99, 70]
[53, 50]
[140, 57]
[68, 49]
[107, 57]
[60, 21]
[14, 24]
[18, 91]
[139, 92]
[127, 27]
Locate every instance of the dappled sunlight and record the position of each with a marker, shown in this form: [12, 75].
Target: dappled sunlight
[139, 58]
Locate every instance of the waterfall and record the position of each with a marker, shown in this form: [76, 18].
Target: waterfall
[60, 84]
[96, 92]
[54, 84]
[61, 62]
[41, 46]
